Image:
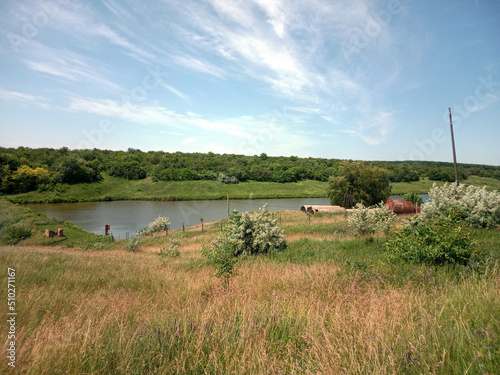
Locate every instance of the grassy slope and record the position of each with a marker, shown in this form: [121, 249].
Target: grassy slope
[12, 215]
[117, 189]
[326, 305]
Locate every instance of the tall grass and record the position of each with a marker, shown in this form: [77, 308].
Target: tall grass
[323, 306]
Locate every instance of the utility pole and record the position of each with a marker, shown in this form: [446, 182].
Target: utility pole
[453, 146]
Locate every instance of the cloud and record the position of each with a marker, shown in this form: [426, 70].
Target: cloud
[374, 130]
[157, 115]
[19, 96]
[199, 65]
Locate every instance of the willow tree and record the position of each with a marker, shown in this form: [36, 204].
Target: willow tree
[358, 182]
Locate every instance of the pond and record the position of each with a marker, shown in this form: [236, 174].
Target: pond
[127, 217]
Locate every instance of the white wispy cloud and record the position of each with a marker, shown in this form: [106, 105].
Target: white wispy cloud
[374, 130]
[65, 64]
[199, 65]
[157, 115]
[23, 97]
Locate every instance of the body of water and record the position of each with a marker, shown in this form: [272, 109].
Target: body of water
[130, 216]
[127, 217]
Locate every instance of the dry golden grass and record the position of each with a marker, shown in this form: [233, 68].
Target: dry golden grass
[100, 312]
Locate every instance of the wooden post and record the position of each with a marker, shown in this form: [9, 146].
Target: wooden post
[182, 227]
[227, 204]
[453, 146]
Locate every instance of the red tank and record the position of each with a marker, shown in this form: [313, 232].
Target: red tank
[401, 207]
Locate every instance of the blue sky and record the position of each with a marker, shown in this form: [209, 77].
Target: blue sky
[357, 79]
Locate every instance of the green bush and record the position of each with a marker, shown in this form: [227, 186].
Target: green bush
[133, 244]
[172, 250]
[16, 233]
[446, 240]
[222, 254]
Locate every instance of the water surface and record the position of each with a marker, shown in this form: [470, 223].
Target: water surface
[127, 217]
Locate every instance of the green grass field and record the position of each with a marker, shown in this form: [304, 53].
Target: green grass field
[111, 188]
[329, 304]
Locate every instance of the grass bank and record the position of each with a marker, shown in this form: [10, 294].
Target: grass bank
[23, 225]
[329, 304]
[111, 189]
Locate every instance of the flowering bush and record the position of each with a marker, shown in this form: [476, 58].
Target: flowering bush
[160, 224]
[254, 233]
[246, 233]
[478, 207]
[364, 220]
[222, 178]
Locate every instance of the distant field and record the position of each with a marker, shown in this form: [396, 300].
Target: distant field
[111, 188]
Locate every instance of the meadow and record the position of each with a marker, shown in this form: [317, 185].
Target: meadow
[329, 304]
[113, 188]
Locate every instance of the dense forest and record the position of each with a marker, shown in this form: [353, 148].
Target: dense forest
[24, 169]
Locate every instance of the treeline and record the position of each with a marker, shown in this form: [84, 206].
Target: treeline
[24, 169]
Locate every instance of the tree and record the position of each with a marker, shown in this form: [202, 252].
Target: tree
[358, 182]
[129, 170]
[75, 171]
[27, 179]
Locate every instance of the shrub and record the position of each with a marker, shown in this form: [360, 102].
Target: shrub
[254, 233]
[222, 178]
[364, 220]
[445, 240]
[478, 207]
[15, 233]
[133, 244]
[172, 250]
[160, 224]
[245, 234]
[222, 254]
